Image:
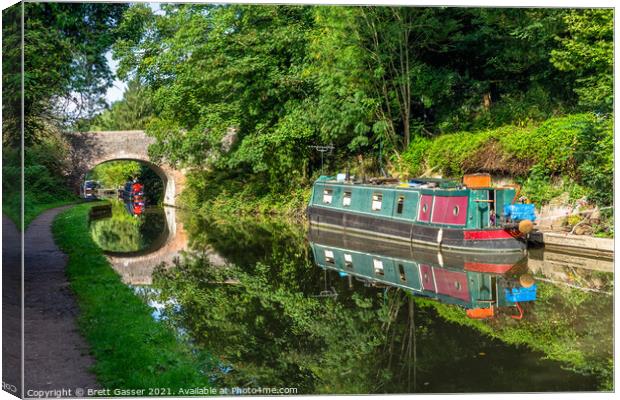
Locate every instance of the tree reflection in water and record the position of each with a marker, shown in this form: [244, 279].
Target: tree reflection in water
[121, 232]
[266, 325]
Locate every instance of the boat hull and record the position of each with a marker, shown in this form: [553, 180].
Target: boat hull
[480, 240]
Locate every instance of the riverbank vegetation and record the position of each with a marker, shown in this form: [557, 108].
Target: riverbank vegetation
[572, 154]
[241, 93]
[44, 186]
[65, 76]
[132, 350]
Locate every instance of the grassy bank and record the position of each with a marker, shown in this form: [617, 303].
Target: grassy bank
[11, 206]
[572, 154]
[132, 350]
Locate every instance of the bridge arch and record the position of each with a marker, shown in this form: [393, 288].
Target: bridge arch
[89, 149]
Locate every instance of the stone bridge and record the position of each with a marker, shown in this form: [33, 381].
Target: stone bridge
[89, 149]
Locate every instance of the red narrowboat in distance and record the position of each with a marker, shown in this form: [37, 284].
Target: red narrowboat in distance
[468, 216]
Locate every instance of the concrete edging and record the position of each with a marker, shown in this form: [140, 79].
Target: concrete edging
[574, 242]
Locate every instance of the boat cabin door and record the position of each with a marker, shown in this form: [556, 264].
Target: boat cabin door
[485, 207]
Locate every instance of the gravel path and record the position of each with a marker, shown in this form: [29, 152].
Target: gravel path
[56, 355]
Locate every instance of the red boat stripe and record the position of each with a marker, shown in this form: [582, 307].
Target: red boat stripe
[487, 235]
[488, 268]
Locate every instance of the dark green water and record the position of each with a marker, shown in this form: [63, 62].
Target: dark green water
[277, 318]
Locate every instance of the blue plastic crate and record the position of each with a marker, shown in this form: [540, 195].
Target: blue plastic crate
[515, 295]
[519, 212]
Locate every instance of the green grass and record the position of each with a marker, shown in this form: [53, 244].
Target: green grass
[11, 207]
[132, 350]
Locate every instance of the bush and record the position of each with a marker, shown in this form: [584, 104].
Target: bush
[572, 153]
[44, 181]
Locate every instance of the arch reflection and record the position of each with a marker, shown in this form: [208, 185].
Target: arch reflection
[136, 246]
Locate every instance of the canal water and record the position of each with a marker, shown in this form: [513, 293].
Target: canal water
[274, 304]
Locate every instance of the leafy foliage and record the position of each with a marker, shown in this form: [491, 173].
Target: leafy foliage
[586, 51]
[65, 76]
[249, 60]
[370, 80]
[43, 174]
[113, 174]
[65, 71]
[134, 111]
[575, 149]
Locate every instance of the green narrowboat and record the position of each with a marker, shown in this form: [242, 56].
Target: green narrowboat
[465, 216]
[482, 284]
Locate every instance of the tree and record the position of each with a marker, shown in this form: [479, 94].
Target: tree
[371, 63]
[113, 174]
[65, 69]
[367, 79]
[132, 112]
[11, 76]
[216, 67]
[587, 51]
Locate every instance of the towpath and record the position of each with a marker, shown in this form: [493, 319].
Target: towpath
[56, 355]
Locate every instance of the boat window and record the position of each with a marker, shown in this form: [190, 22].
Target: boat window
[346, 199]
[401, 271]
[378, 266]
[455, 211]
[348, 261]
[400, 204]
[377, 199]
[329, 256]
[327, 196]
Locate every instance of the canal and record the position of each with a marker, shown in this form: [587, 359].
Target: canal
[269, 303]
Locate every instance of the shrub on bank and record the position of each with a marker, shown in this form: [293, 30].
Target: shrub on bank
[573, 153]
[213, 192]
[44, 185]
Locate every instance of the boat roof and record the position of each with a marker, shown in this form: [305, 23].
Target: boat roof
[391, 183]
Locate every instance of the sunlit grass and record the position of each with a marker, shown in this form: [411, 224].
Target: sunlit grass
[132, 350]
[11, 207]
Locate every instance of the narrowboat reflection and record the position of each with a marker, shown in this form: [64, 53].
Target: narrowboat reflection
[485, 285]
